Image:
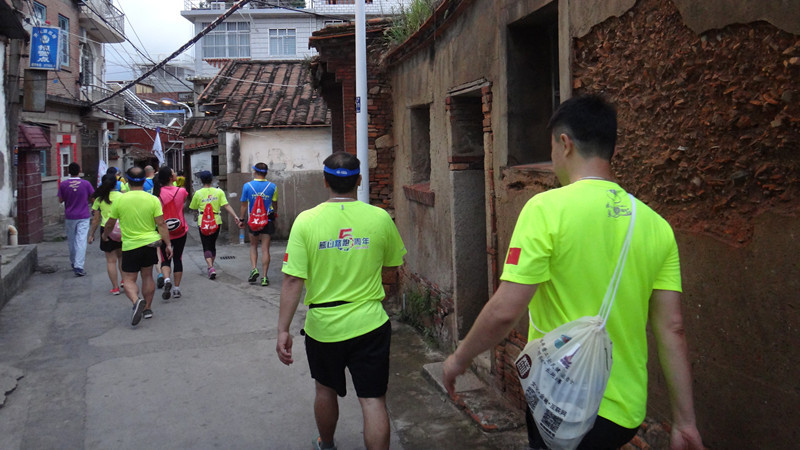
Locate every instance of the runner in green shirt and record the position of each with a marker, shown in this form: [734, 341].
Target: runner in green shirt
[559, 263]
[337, 250]
[104, 197]
[216, 197]
[140, 215]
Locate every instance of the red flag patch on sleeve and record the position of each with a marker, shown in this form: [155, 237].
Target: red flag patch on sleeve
[285, 257]
[513, 255]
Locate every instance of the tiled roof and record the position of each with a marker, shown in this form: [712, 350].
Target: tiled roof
[264, 94]
[32, 137]
[200, 127]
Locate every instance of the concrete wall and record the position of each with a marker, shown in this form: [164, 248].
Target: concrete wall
[717, 166]
[6, 151]
[294, 157]
[52, 210]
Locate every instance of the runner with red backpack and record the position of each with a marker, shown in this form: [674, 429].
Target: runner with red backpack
[208, 202]
[259, 199]
[172, 201]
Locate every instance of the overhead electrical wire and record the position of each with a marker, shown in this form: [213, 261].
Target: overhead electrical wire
[147, 57]
[183, 48]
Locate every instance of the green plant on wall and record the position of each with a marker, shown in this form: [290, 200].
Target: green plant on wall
[409, 19]
[418, 310]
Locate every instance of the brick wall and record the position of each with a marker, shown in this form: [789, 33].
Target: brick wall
[29, 198]
[338, 59]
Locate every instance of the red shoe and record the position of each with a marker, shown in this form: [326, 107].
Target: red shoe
[114, 291]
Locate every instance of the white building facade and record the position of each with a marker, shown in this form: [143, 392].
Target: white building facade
[261, 32]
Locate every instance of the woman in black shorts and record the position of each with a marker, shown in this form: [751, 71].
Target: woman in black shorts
[103, 197]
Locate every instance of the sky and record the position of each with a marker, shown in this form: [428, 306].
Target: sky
[155, 27]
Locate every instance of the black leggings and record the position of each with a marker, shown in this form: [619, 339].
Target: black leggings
[209, 244]
[604, 435]
[177, 252]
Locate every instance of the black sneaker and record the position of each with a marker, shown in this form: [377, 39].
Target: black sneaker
[160, 281]
[167, 290]
[253, 276]
[138, 310]
[147, 314]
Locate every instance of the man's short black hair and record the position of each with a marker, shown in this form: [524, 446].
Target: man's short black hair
[261, 168]
[590, 121]
[74, 169]
[206, 177]
[135, 176]
[342, 160]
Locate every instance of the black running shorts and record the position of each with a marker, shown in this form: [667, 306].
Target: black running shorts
[365, 356]
[134, 260]
[109, 245]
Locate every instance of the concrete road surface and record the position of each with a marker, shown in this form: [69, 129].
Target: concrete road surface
[201, 374]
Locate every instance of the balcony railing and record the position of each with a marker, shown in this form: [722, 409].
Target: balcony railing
[106, 13]
[254, 4]
[93, 93]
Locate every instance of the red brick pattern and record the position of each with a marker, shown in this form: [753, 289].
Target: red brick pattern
[336, 67]
[709, 125]
[29, 198]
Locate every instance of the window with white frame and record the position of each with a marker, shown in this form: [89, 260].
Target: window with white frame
[63, 40]
[228, 40]
[43, 162]
[40, 13]
[87, 65]
[65, 157]
[282, 41]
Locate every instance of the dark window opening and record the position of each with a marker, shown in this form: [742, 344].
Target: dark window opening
[420, 144]
[533, 85]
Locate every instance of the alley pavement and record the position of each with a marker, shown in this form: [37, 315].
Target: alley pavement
[201, 374]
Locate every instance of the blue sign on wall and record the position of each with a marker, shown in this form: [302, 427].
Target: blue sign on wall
[44, 48]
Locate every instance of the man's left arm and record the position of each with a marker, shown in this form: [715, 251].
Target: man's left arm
[673, 353]
[495, 321]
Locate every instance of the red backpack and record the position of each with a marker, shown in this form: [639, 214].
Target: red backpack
[258, 215]
[172, 217]
[208, 225]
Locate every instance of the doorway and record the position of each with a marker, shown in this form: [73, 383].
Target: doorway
[468, 181]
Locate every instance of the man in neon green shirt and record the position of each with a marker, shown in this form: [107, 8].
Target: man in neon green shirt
[338, 250]
[560, 259]
[216, 198]
[139, 215]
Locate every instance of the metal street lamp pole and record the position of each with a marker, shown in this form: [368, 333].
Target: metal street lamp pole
[361, 100]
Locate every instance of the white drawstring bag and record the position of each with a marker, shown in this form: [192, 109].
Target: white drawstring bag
[564, 374]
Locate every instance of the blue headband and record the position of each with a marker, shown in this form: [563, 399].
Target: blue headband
[259, 170]
[135, 180]
[342, 172]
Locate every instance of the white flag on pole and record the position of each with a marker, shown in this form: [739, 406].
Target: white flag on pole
[102, 167]
[157, 150]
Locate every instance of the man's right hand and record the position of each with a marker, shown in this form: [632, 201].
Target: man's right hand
[284, 348]
[685, 438]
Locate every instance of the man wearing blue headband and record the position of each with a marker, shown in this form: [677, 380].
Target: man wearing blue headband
[338, 251]
[268, 192]
[139, 215]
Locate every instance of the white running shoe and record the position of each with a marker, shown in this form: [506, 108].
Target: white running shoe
[176, 292]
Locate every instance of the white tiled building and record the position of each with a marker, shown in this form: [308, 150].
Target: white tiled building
[261, 32]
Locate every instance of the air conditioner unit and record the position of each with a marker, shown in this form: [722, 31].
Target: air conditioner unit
[218, 5]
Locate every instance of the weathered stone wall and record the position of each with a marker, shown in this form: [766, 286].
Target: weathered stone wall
[709, 137]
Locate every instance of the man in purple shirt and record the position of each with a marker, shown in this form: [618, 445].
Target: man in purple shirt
[76, 193]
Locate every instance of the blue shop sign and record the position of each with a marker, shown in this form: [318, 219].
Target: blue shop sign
[44, 48]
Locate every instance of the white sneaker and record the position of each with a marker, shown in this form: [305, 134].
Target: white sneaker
[176, 292]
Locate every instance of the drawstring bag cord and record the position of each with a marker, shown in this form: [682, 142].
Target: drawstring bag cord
[611, 291]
